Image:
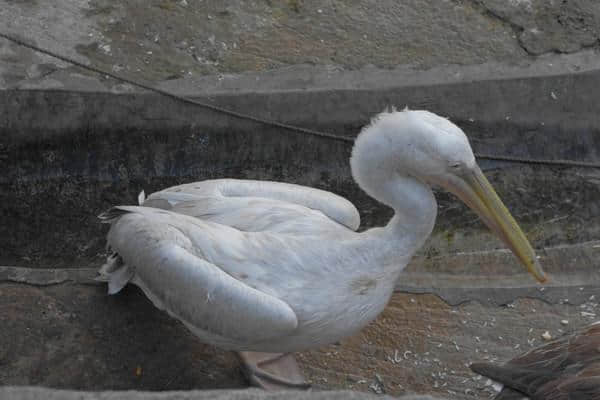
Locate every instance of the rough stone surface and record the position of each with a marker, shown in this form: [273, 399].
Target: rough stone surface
[31, 393]
[162, 40]
[167, 39]
[550, 26]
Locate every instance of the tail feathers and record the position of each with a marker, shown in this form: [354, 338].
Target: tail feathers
[116, 273]
[115, 212]
[141, 198]
[112, 214]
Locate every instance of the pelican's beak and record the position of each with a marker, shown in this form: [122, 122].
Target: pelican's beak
[473, 188]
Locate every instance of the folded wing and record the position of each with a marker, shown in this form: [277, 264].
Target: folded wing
[165, 260]
[258, 205]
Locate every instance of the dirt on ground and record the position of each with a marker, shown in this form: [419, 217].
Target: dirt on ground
[73, 335]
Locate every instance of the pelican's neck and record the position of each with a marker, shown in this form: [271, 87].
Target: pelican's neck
[374, 168]
[415, 210]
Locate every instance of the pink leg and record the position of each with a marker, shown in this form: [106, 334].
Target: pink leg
[273, 371]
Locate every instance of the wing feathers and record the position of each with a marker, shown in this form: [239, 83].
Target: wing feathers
[333, 206]
[189, 287]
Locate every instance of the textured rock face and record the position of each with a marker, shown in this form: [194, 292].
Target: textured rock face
[169, 39]
[550, 26]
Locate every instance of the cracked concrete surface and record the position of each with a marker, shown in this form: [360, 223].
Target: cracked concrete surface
[550, 26]
[162, 40]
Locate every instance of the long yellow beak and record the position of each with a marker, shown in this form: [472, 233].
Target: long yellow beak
[475, 190]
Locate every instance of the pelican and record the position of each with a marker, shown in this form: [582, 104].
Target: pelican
[267, 268]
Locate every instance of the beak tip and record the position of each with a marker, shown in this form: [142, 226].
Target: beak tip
[536, 270]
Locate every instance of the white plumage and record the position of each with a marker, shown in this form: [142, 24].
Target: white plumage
[276, 267]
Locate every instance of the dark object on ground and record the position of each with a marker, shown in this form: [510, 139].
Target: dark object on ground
[564, 369]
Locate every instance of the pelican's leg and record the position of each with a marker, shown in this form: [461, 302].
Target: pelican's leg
[273, 371]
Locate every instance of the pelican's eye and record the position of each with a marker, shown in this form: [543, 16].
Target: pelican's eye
[455, 166]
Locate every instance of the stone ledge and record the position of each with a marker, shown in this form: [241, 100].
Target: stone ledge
[37, 393]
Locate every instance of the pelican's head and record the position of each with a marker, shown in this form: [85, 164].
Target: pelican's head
[433, 150]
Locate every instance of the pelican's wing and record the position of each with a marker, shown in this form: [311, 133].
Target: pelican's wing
[161, 252]
[242, 193]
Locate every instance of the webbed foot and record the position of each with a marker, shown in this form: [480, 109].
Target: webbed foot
[273, 371]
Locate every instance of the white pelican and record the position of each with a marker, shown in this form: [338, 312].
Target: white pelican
[271, 267]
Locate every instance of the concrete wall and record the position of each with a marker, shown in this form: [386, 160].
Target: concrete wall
[67, 155]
